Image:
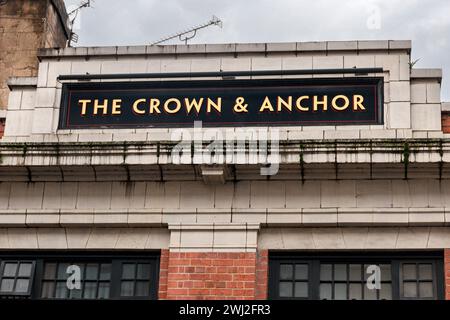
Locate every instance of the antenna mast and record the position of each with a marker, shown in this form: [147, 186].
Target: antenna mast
[73, 36]
[190, 33]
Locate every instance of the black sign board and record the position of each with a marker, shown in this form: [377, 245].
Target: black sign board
[274, 102]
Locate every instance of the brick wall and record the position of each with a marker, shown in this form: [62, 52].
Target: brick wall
[213, 275]
[262, 274]
[163, 269]
[446, 122]
[447, 273]
[26, 26]
[2, 127]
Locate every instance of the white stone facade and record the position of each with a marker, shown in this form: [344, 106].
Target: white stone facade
[82, 189]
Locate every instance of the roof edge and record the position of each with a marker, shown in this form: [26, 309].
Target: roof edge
[426, 73]
[233, 48]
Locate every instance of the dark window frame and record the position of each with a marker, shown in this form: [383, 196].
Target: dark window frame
[115, 258]
[31, 278]
[315, 259]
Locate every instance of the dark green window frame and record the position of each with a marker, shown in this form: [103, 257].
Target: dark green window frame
[139, 282]
[282, 277]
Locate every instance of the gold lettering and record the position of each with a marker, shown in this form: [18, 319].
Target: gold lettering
[317, 102]
[266, 105]
[116, 105]
[83, 106]
[343, 107]
[358, 102]
[154, 106]
[298, 103]
[103, 106]
[193, 104]
[282, 103]
[216, 105]
[168, 102]
[135, 106]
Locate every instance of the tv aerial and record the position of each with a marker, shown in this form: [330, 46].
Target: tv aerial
[73, 14]
[190, 33]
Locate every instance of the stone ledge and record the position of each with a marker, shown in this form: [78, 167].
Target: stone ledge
[14, 82]
[84, 238]
[307, 217]
[396, 238]
[230, 48]
[445, 106]
[426, 74]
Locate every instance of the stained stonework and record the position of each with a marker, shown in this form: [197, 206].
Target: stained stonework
[26, 26]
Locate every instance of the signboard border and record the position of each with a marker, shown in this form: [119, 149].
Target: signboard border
[68, 88]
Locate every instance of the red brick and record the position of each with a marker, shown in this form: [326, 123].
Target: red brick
[244, 277]
[200, 276]
[224, 262]
[190, 269]
[199, 291]
[199, 284]
[221, 277]
[446, 122]
[172, 291]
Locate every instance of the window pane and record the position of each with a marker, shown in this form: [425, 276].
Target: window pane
[103, 290]
[409, 289]
[10, 270]
[385, 272]
[61, 290]
[426, 290]
[355, 291]
[90, 290]
[25, 270]
[366, 274]
[128, 271]
[62, 271]
[105, 271]
[285, 289]
[142, 288]
[301, 271]
[409, 272]
[355, 272]
[340, 272]
[7, 285]
[143, 271]
[325, 272]
[91, 271]
[22, 285]
[47, 289]
[386, 291]
[340, 291]
[425, 272]
[50, 271]
[301, 290]
[75, 293]
[369, 294]
[286, 271]
[325, 291]
[127, 289]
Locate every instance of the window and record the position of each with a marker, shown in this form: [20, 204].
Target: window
[16, 277]
[375, 276]
[135, 279]
[77, 276]
[417, 281]
[341, 281]
[95, 281]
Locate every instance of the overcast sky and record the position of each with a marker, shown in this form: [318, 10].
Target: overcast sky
[137, 22]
